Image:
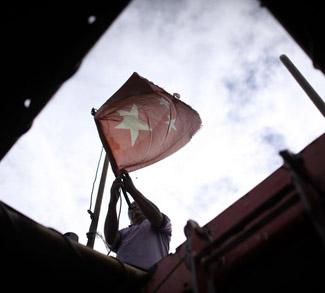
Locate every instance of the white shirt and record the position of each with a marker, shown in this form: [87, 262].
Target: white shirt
[143, 245]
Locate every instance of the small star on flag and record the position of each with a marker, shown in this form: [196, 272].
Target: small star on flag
[171, 124]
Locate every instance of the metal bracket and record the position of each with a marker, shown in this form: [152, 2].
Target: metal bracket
[197, 238]
[308, 190]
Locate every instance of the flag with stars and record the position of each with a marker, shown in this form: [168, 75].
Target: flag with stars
[142, 124]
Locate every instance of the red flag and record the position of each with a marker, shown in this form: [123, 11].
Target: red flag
[142, 124]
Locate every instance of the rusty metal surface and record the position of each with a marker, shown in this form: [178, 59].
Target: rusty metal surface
[267, 239]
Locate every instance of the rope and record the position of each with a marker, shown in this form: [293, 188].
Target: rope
[90, 205]
[92, 190]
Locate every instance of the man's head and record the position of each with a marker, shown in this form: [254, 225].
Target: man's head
[135, 214]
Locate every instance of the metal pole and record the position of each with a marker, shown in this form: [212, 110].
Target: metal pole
[94, 223]
[315, 98]
[126, 197]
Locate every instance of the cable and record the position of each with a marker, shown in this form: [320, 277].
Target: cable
[92, 191]
[103, 239]
[173, 195]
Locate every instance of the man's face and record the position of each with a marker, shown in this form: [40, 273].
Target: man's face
[135, 214]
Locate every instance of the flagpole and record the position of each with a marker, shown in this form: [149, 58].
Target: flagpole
[95, 216]
[315, 98]
[126, 197]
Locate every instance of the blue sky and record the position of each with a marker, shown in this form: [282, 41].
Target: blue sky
[222, 57]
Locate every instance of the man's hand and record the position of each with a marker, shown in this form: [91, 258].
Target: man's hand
[148, 208]
[127, 182]
[115, 191]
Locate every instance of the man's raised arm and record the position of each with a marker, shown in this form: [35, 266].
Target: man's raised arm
[148, 208]
[111, 224]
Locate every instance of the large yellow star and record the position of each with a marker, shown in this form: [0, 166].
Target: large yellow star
[131, 121]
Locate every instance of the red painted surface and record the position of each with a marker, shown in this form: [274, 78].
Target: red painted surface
[275, 253]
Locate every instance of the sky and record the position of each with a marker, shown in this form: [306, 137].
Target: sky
[222, 57]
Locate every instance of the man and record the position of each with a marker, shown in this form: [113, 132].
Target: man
[147, 239]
